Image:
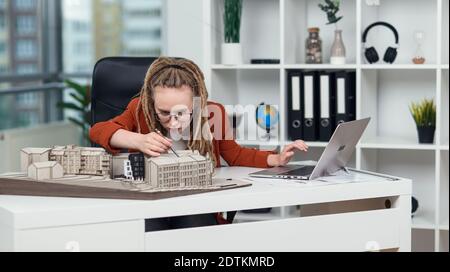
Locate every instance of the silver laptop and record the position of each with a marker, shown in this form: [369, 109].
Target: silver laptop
[335, 157]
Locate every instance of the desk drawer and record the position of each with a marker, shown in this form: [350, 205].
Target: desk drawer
[359, 231]
[116, 236]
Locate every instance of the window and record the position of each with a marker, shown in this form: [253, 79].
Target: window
[21, 54]
[25, 5]
[90, 30]
[26, 49]
[20, 35]
[2, 21]
[101, 28]
[24, 69]
[26, 24]
[2, 48]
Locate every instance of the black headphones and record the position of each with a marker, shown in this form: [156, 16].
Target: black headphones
[372, 54]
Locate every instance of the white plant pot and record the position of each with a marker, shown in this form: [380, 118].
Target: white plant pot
[231, 54]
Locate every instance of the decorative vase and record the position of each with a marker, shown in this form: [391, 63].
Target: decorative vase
[313, 46]
[419, 56]
[231, 53]
[426, 134]
[338, 49]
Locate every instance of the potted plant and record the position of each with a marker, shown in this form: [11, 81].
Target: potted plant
[231, 48]
[82, 105]
[424, 114]
[338, 52]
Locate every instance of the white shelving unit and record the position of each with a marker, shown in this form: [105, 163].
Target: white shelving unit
[278, 29]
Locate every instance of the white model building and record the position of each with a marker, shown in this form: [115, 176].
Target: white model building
[169, 171]
[31, 155]
[74, 160]
[118, 169]
[82, 160]
[45, 170]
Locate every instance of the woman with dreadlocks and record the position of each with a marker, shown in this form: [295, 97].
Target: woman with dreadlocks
[172, 111]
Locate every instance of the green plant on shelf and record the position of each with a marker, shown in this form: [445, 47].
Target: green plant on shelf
[331, 8]
[232, 20]
[424, 113]
[81, 104]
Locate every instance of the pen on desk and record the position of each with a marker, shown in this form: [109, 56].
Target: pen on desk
[159, 132]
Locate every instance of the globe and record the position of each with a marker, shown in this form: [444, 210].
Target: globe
[267, 117]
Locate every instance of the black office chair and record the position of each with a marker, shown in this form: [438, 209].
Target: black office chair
[114, 83]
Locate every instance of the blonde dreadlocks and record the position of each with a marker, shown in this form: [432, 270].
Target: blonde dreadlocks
[175, 73]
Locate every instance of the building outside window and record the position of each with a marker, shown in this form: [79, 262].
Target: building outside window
[26, 24]
[91, 30]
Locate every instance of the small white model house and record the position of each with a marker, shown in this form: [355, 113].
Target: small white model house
[169, 171]
[45, 170]
[31, 155]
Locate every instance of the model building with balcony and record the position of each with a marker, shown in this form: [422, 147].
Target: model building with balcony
[82, 160]
[189, 170]
[73, 160]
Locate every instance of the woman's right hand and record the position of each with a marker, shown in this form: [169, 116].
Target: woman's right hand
[153, 144]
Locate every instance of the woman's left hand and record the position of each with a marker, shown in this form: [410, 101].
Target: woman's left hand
[286, 155]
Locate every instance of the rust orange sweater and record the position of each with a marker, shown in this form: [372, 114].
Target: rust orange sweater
[231, 152]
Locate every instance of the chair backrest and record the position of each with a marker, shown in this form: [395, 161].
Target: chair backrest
[114, 82]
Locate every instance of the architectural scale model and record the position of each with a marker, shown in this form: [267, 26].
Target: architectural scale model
[74, 160]
[187, 170]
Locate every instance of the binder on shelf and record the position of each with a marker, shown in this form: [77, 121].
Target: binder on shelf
[345, 97]
[327, 123]
[295, 106]
[311, 99]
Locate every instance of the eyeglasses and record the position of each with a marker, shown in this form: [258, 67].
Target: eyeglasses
[181, 116]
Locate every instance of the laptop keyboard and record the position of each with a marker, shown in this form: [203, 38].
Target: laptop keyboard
[302, 172]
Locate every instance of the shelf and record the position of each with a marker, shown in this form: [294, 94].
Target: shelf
[277, 29]
[407, 17]
[445, 32]
[423, 220]
[243, 91]
[320, 66]
[278, 143]
[246, 67]
[399, 67]
[259, 143]
[316, 144]
[444, 108]
[417, 165]
[327, 66]
[260, 30]
[385, 97]
[395, 143]
[444, 191]
[299, 15]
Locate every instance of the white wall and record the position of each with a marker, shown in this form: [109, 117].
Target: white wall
[185, 30]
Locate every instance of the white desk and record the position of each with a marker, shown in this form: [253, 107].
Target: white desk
[359, 221]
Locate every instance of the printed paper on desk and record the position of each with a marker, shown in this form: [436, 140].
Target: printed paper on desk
[342, 177]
